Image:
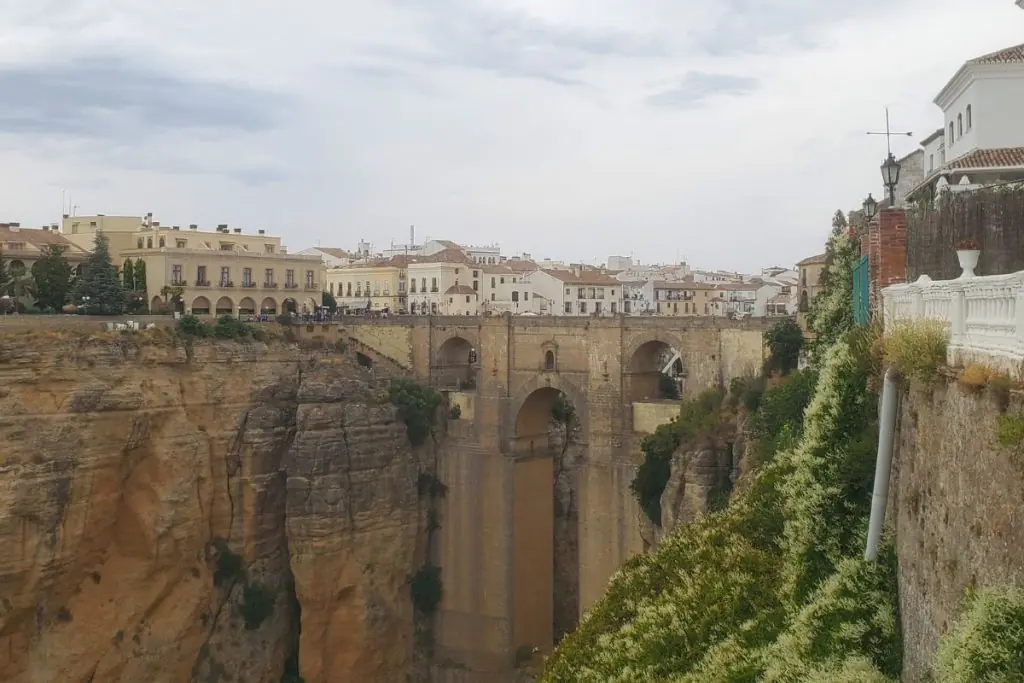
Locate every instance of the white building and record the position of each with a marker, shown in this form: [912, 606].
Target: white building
[637, 296]
[620, 262]
[506, 290]
[332, 257]
[716, 276]
[982, 135]
[444, 283]
[578, 291]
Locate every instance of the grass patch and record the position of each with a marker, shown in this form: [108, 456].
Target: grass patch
[1010, 430]
[917, 349]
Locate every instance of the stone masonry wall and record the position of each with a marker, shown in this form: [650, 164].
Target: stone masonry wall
[956, 505]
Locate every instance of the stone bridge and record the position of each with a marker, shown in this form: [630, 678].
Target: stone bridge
[534, 522]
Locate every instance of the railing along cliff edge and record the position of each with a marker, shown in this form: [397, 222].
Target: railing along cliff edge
[984, 316]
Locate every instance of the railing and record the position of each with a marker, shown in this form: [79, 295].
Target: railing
[984, 315]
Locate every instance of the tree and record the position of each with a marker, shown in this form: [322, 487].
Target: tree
[785, 339]
[128, 274]
[838, 223]
[832, 311]
[330, 302]
[5, 275]
[99, 288]
[140, 274]
[52, 277]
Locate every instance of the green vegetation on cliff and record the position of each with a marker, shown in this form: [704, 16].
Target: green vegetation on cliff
[772, 588]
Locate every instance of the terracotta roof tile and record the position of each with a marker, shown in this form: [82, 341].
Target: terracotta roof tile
[812, 260]
[988, 158]
[1009, 55]
[585, 277]
[37, 238]
[460, 289]
[335, 252]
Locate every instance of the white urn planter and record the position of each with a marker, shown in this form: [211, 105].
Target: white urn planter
[968, 261]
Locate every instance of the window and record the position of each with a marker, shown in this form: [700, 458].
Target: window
[310, 283]
[970, 121]
[597, 307]
[225, 276]
[162, 242]
[268, 277]
[289, 278]
[568, 292]
[568, 307]
[376, 287]
[140, 242]
[931, 163]
[502, 280]
[387, 288]
[493, 296]
[492, 283]
[581, 293]
[960, 125]
[268, 248]
[366, 287]
[456, 271]
[176, 278]
[476, 285]
[513, 280]
[180, 243]
[149, 242]
[467, 298]
[613, 308]
[348, 289]
[433, 307]
[247, 278]
[515, 296]
[201, 275]
[423, 284]
[625, 307]
[950, 133]
[549, 360]
[583, 307]
[526, 296]
[433, 284]
[413, 282]
[476, 273]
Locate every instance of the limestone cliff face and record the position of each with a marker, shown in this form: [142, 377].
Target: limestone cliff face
[133, 470]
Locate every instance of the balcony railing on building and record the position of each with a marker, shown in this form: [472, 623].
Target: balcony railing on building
[984, 316]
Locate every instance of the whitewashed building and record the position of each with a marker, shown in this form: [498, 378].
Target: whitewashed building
[982, 139]
[577, 291]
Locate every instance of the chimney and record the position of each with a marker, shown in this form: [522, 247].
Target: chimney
[46, 228]
[412, 235]
[262, 232]
[223, 227]
[156, 224]
[193, 226]
[176, 227]
[238, 231]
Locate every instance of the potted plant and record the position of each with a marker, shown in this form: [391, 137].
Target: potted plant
[967, 252]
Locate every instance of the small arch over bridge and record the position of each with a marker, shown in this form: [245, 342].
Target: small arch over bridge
[649, 361]
[455, 362]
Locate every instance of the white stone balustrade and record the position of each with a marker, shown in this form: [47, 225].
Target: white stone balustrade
[984, 315]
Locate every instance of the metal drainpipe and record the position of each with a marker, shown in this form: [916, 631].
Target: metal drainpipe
[883, 464]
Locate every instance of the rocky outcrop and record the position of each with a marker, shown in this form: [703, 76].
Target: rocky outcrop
[205, 512]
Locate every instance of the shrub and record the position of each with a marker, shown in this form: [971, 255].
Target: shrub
[781, 412]
[229, 327]
[257, 605]
[194, 327]
[455, 412]
[917, 349]
[1010, 430]
[229, 564]
[974, 377]
[987, 644]
[285, 319]
[426, 589]
[668, 388]
[785, 340]
[417, 406]
[428, 484]
[562, 410]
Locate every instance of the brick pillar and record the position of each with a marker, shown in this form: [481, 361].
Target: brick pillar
[870, 247]
[892, 247]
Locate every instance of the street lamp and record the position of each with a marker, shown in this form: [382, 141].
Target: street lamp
[870, 208]
[891, 176]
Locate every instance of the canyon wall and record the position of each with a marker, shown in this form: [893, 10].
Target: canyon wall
[209, 511]
[955, 502]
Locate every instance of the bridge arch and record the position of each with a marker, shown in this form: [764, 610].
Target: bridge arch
[644, 363]
[454, 363]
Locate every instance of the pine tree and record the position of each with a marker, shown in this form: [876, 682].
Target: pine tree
[5, 275]
[99, 288]
[52, 276]
[140, 275]
[128, 274]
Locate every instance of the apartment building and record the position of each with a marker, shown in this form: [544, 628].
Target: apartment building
[682, 298]
[444, 283]
[374, 285]
[507, 289]
[577, 291]
[331, 256]
[223, 272]
[120, 232]
[636, 297]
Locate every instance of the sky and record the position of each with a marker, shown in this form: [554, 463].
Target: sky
[721, 132]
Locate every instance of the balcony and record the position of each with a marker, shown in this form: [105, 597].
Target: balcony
[248, 285]
[312, 287]
[291, 285]
[980, 314]
[227, 283]
[202, 283]
[269, 285]
[179, 283]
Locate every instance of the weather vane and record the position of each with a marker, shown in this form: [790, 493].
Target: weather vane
[888, 133]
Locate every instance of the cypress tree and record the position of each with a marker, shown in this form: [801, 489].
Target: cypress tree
[140, 275]
[100, 283]
[128, 274]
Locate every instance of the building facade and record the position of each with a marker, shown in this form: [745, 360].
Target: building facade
[223, 272]
[579, 291]
[374, 285]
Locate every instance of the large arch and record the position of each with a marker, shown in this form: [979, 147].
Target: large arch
[17, 267]
[200, 306]
[647, 362]
[225, 306]
[156, 305]
[289, 306]
[247, 306]
[309, 305]
[269, 306]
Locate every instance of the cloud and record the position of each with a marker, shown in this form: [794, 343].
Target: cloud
[113, 97]
[696, 88]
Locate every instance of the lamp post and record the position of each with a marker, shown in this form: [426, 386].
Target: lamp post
[891, 176]
[870, 207]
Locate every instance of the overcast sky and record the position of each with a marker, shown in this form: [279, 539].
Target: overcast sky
[725, 132]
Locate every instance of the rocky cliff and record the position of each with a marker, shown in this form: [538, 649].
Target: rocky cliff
[215, 511]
